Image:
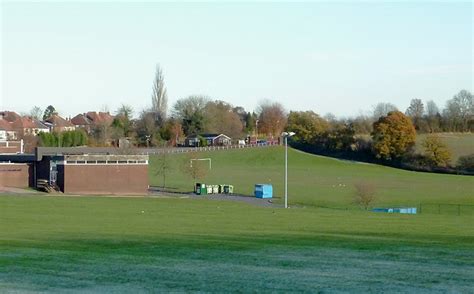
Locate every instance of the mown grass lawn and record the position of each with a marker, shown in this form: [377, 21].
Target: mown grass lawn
[96, 244]
[316, 180]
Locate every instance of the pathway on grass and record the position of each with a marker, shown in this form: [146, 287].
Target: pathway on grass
[221, 197]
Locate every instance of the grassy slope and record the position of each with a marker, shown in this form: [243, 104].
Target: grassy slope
[458, 143]
[316, 180]
[108, 244]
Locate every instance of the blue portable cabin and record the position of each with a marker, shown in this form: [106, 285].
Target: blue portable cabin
[263, 191]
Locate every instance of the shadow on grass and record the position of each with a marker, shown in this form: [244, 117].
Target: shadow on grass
[233, 263]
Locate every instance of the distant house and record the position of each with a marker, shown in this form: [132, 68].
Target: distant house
[9, 116]
[81, 121]
[7, 127]
[13, 126]
[4, 128]
[212, 140]
[29, 126]
[58, 124]
[100, 118]
[88, 121]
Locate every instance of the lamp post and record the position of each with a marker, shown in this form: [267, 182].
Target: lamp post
[286, 135]
[256, 131]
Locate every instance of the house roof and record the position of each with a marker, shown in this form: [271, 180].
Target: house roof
[40, 125]
[81, 120]
[58, 121]
[100, 117]
[27, 122]
[207, 136]
[10, 116]
[5, 125]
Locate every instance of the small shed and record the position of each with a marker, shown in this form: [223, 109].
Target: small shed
[263, 191]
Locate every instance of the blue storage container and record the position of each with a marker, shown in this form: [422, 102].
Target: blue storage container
[263, 191]
[405, 210]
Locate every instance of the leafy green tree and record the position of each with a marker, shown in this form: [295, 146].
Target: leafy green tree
[67, 139]
[190, 111]
[64, 139]
[307, 125]
[250, 120]
[49, 111]
[202, 141]
[222, 119]
[393, 136]
[436, 151]
[122, 125]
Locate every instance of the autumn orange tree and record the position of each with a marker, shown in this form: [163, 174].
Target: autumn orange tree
[393, 136]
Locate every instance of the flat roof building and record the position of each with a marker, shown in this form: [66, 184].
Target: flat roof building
[82, 170]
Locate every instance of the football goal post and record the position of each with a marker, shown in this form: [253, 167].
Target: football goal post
[201, 159]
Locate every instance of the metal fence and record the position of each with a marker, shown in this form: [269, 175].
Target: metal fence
[151, 151]
[48, 151]
[446, 209]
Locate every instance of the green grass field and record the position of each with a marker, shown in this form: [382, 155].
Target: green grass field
[318, 181]
[98, 244]
[459, 144]
[160, 244]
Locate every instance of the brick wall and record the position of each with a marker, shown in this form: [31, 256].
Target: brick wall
[103, 179]
[14, 175]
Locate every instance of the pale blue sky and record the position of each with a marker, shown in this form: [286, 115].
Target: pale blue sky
[341, 58]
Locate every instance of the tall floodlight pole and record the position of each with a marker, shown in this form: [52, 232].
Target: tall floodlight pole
[256, 131]
[286, 135]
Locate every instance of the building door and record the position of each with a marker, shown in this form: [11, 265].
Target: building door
[53, 172]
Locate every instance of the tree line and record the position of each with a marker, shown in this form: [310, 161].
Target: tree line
[387, 135]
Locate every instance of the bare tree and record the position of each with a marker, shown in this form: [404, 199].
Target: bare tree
[364, 194]
[196, 170]
[36, 113]
[433, 116]
[163, 165]
[431, 108]
[382, 109]
[159, 97]
[416, 109]
[415, 112]
[460, 111]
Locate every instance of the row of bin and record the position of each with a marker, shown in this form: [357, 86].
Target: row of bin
[204, 189]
